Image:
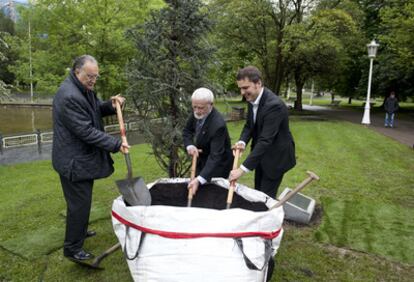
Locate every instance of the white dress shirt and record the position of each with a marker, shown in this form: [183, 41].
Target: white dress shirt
[255, 107]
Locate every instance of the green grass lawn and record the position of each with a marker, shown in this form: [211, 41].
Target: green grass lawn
[365, 195]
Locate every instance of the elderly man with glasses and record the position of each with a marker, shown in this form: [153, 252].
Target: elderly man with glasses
[81, 148]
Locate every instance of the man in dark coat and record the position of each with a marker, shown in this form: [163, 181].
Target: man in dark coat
[267, 125]
[391, 107]
[206, 130]
[81, 148]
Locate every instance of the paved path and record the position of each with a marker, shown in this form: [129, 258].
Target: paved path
[25, 154]
[403, 130]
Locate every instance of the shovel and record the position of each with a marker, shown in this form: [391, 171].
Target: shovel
[96, 261]
[193, 172]
[233, 183]
[133, 189]
[312, 176]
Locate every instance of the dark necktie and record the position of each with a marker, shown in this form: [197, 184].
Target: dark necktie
[199, 125]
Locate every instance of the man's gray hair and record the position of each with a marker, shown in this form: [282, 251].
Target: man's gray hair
[80, 61]
[203, 94]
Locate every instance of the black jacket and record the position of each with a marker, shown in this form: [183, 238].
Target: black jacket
[80, 145]
[272, 143]
[391, 105]
[216, 158]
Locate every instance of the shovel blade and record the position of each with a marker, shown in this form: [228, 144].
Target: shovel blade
[134, 191]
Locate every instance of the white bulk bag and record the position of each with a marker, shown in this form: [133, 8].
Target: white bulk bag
[167, 243]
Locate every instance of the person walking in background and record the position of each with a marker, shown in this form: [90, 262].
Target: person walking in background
[80, 152]
[391, 106]
[206, 130]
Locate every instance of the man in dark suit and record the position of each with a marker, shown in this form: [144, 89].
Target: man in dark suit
[267, 125]
[206, 130]
[80, 152]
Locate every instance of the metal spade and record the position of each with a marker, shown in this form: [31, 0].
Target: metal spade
[133, 189]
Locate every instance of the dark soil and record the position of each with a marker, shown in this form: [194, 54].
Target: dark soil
[208, 196]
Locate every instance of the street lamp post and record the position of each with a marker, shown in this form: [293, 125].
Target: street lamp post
[372, 52]
[30, 65]
[311, 96]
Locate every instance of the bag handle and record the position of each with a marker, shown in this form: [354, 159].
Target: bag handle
[139, 245]
[267, 254]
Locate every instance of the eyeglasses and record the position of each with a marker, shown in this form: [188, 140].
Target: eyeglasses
[93, 76]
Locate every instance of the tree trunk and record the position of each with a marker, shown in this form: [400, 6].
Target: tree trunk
[279, 72]
[279, 68]
[298, 102]
[299, 82]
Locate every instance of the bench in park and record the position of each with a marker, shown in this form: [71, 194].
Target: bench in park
[237, 113]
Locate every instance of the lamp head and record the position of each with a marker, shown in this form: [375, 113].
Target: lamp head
[372, 49]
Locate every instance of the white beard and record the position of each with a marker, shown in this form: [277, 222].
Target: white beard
[199, 116]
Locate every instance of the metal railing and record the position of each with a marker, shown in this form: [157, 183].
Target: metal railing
[39, 138]
[20, 140]
[46, 137]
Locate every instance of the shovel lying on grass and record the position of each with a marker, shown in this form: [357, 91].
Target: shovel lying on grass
[312, 176]
[133, 190]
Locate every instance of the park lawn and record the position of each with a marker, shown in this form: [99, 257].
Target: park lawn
[225, 104]
[364, 234]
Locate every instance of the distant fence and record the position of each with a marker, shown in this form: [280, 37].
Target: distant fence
[38, 138]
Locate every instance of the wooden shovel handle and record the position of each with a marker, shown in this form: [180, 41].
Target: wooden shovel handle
[193, 171]
[192, 176]
[121, 124]
[233, 183]
[312, 176]
[193, 167]
[98, 259]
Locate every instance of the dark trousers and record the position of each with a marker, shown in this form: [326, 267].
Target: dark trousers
[267, 185]
[78, 196]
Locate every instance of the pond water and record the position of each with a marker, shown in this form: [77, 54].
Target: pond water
[27, 119]
[18, 119]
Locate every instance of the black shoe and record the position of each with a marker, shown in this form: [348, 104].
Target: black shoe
[90, 233]
[80, 256]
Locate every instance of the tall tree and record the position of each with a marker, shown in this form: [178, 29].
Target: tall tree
[244, 32]
[63, 30]
[171, 63]
[347, 82]
[7, 30]
[4, 91]
[396, 57]
[253, 32]
[314, 47]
